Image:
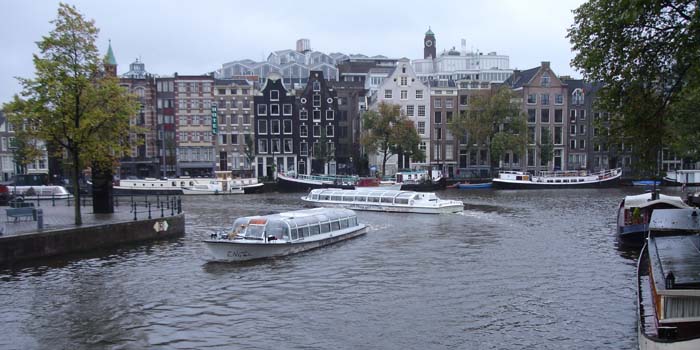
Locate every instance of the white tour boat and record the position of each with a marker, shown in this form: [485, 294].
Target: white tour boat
[40, 192]
[255, 237]
[384, 200]
[668, 282]
[175, 186]
[556, 179]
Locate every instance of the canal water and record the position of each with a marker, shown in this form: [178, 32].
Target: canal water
[516, 270]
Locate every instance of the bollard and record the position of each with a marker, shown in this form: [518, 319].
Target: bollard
[117, 201]
[134, 207]
[157, 201]
[53, 199]
[39, 213]
[38, 197]
[179, 205]
[172, 207]
[149, 210]
[162, 211]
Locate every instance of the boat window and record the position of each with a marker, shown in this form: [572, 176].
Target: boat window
[387, 200]
[182, 183]
[566, 180]
[580, 180]
[360, 198]
[315, 230]
[255, 232]
[344, 223]
[276, 228]
[294, 234]
[335, 226]
[325, 197]
[353, 221]
[401, 201]
[373, 199]
[557, 181]
[325, 228]
[337, 198]
[191, 183]
[174, 184]
[314, 196]
[304, 232]
[550, 181]
[347, 198]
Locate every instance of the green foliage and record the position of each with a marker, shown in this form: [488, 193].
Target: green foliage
[646, 54]
[249, 149]
[323, 151]
[387, 131]
[495, 122]
[546, 145]
[70, 102]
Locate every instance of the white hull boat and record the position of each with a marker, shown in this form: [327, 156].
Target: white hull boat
[40, 192]
[384, 200]
[557, 180]
[257, 237]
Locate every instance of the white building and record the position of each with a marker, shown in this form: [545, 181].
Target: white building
[404, 88]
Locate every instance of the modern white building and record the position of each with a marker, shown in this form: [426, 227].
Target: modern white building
[404, 88]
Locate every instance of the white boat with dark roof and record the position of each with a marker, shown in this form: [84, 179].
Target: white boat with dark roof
[256, 237]
[557, 179]
[668, 282]
[384, 200]
[634, 213]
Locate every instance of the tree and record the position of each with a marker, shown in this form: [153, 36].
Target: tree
[249, 150]
[25, 149]
[495, 122]
[646, 54]
[405, 141]
[71, 102]
[546, 146]
[383, 130]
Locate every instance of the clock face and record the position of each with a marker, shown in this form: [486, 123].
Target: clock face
[428, 43]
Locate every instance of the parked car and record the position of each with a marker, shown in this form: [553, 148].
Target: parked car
[5, 195]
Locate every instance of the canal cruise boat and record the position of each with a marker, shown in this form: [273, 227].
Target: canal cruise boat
[186, 185]
[256, 237]
[384, 200]
[557, 179]
[634, 213]
[293, 182]
[668, 282]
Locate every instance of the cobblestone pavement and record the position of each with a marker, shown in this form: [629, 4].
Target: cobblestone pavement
[61, 215]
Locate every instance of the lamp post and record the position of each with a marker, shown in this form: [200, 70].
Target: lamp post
[13, 148]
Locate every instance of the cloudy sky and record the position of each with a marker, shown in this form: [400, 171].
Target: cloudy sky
[193, 37]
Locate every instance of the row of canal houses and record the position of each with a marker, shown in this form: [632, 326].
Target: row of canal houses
[236, 120]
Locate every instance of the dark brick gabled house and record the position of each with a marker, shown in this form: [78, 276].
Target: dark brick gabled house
[318, 119]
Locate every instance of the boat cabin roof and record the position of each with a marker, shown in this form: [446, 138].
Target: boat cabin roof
[674, 246]
[373, 193]
[296, 218]
[644, 200]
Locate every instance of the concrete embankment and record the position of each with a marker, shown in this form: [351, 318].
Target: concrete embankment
[46, 243]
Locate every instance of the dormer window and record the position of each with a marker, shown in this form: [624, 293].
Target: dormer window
[577, 97]
[317, 86]
[544, 81]
[274, 95]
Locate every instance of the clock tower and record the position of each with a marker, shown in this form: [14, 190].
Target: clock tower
[429, 44]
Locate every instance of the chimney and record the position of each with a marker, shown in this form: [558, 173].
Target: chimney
[545, 64]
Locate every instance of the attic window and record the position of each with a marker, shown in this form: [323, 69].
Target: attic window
[403, 69]
[544, 81]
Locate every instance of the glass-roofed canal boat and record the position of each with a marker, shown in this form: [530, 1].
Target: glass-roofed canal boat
[384, 200]
[255, 237]
[668, 283]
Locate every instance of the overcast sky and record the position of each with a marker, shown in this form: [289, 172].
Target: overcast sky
[194, 37]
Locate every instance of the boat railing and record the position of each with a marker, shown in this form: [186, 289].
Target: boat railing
[572, 173]
[325, 178]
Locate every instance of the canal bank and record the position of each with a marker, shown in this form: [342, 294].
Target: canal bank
[51, 232]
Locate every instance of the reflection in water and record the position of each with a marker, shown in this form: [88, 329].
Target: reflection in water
[516, 269]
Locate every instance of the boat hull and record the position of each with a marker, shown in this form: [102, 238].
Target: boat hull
[525, 185]
[286, 184]
[234, 251]
[256, 188]
[474, 186]
[425, 187]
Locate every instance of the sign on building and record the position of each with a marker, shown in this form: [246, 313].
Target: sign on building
[214, 120]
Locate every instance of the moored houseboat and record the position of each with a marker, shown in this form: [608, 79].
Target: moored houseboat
[668, 282]
[384, 200]
[557, 179]
[682, 178]
[39, 192]
[175, 186]
[634, 213]
[256, 237]
[421, 180]
[292, 182]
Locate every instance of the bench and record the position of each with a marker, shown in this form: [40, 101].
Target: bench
[18, 213]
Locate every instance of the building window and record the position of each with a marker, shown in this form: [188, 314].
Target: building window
[287, 126]
[582, 114]
[448, 103]
[438, 133]
[317, 115]
[275, 146]
[317, 131]
[262, 109]
[438, 118]
[582, 129]
[558, 137]
[464, 100]
[572, 144]
[404, 81]
[531, 135]
[303, 149]
[330, 115]
[262, 126]
[531, 116]
[275, 127]
[330, 132]
[303, 114]
[410, 110]
[419, 94]
[303, 131]
[317, 100]
[544, 99]
[531, 99]
[544, 81]
[287, 109]
[558, 99]
[404, 94]
[387, 94]
[288, 146]
[438, 103]
[274, 95]
[262, 146]
[422, 146]
[572, 130]
[558, 116]
[572, 116]
[421, 110]
[577, 97]
[421, 128]
[582, 144]
[274, 109]
[317, 86]
[448, 117]
[544, 116]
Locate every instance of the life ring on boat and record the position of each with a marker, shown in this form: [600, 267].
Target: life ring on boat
[410, 202]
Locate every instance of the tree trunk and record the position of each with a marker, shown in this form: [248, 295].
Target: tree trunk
[102, 197]
[76, 187]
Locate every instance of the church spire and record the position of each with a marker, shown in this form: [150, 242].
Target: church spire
[110, 61]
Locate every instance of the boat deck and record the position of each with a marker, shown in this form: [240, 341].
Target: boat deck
[680, 255]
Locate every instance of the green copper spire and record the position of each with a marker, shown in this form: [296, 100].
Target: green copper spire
[110, 55]
[429, 32]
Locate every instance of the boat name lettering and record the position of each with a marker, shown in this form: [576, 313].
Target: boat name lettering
[232, 254]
